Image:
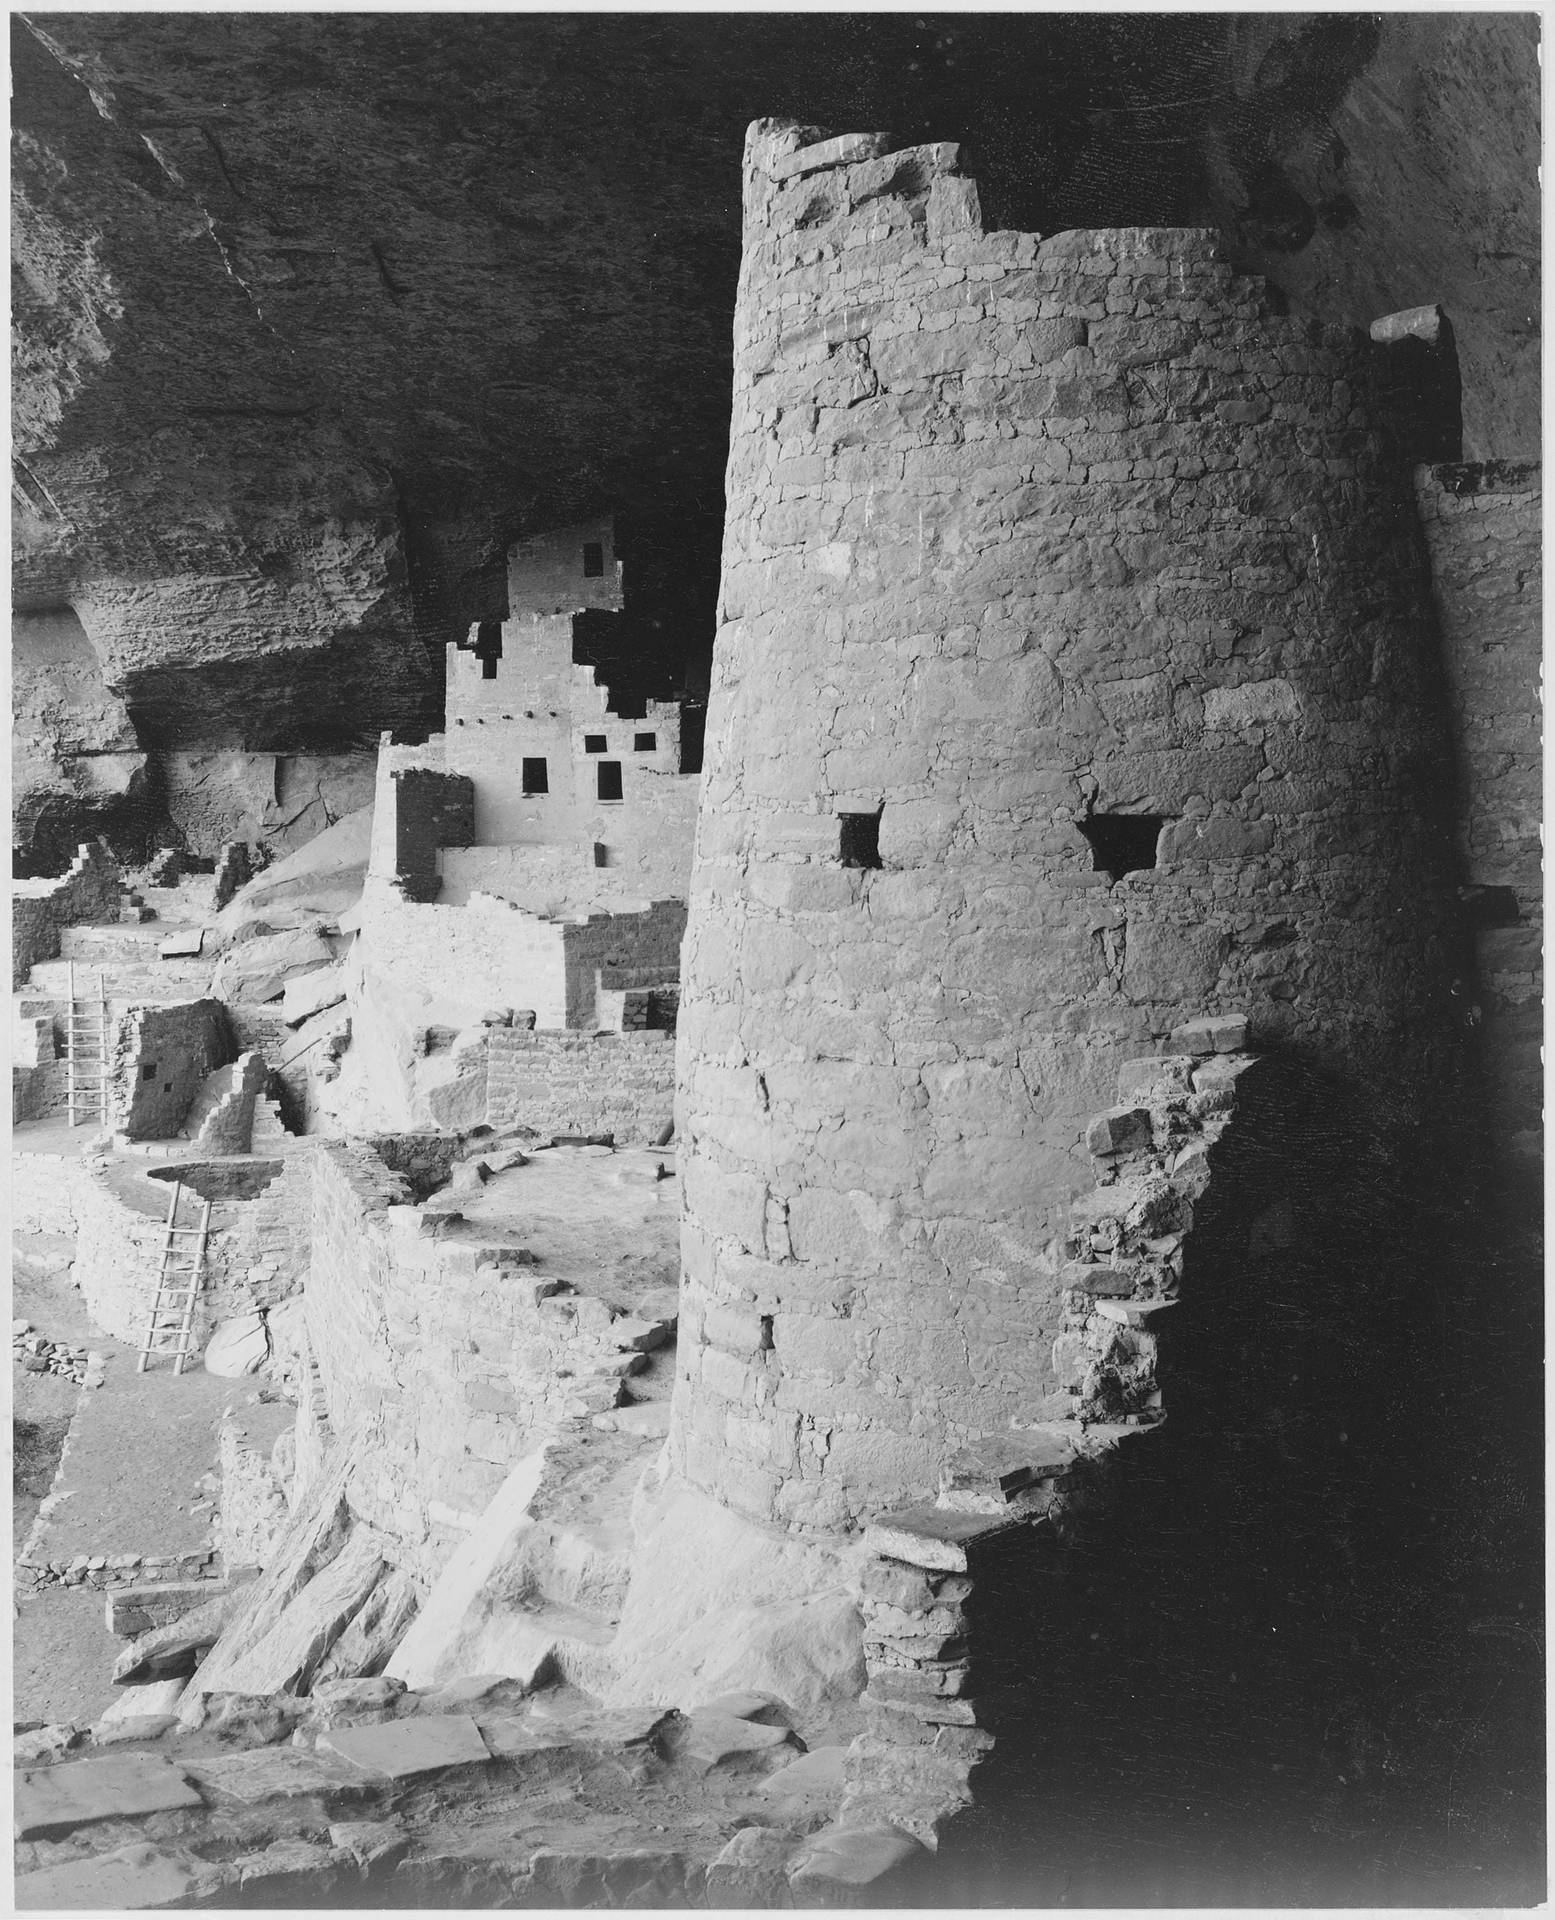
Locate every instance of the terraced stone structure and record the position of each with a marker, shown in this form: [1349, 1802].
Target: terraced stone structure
[1073, 679]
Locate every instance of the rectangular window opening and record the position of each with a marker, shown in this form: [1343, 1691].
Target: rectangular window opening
[645, 743]
[1123, 842]
[593, 743]
[149, 1073]
[858, 840]
[535, 778]
[488, 647]
[593, 559]
[610, 779]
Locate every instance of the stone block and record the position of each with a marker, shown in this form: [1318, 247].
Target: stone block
[846, 150]
[126, 1880]
[1120, 1130]
[56, 1800]
[407, 1749]
[1213, 1033]
[930, 1537]
[720, 1739]
[133, 1611]
[1154, 1078]
[750, 1873]
[173, 1649]
[851, 1857]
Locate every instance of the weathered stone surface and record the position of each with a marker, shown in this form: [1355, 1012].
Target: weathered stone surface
[284, 1658]
[718, 1739]
[74, 1794]
[237, 1347]
[371, 1843]
[312, 1538]
[129, 1878]
[860, 1856]
[403, 1749]
[817, 1774]
[930, 1537]
[751, 1871]
[279, 1773]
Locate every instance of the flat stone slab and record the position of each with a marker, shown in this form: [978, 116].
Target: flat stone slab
[935, 1538]
[597, 1729]
[52, 1800]
[184, 944]
[713, 1737]
[401, 1749]
[132, 1877]
[278, 1773]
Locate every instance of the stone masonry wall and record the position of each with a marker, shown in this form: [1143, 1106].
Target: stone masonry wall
[256, 1255]
[1095, 593]
[483, 954]
[163, 1056]
[1482, 528]
[89, 891]
[620, 1084]
[440, 1354]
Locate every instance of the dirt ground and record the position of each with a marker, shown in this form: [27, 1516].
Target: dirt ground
[139, 1445]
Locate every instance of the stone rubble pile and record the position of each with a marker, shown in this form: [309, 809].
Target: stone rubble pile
[36, 1353]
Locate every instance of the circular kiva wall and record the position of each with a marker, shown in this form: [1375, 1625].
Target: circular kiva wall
[1026, 541]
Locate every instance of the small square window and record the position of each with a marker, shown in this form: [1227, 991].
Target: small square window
[858, 840]
[149, 1073]
[593, 743]
[593, 559]
[645, 743]
[610, 779]
[535, 780]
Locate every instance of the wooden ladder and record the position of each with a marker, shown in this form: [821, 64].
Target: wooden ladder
[171, 1326]
[88, 1069]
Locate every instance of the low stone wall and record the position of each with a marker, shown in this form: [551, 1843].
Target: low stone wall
[618, 1083]
[40, 908]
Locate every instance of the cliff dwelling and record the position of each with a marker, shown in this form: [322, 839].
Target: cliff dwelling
[776, 974]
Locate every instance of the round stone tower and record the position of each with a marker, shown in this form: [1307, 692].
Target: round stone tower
[1073, 680]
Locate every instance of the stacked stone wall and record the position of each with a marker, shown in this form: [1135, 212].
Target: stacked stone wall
[256, 1256]
[1482, 529]
[620, 1084]
[1022, 536]
[442, 1355]
[40, 909]
[650, 940]
[483, 954]
[162, 1058]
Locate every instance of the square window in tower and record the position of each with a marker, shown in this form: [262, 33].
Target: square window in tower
[645, 743]
[858, 839]
[535, 780]
[593, 559]
[610, 779]
[593, 743]
[1123, 842]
